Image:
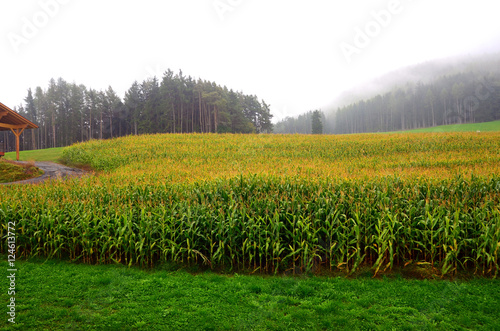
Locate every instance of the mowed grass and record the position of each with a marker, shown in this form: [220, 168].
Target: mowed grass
[469, 127]
[52, 295]
[41, 155]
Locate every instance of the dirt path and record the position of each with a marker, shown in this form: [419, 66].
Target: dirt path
[51, 171]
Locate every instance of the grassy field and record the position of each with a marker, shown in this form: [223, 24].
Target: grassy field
[473, 127]
[56, 295]
[48, 155]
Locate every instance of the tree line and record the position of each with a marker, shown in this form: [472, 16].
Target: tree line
[430, 94]
[311, 122]
[67, 113]
[461, 98]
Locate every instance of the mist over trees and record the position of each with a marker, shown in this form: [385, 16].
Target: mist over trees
[316, 122]
[435, 93]
[302, 124]
[457, 99]
[67, 113]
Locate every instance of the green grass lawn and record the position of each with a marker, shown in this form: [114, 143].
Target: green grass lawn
[47, 155]
[473, 127]
[54, 295]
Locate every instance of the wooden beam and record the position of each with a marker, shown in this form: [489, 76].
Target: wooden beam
[17, 133]
[11, 126]
[3, 113]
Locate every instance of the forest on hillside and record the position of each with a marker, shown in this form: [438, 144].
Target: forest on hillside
[462, 92]
[458, 99]
[67, 113]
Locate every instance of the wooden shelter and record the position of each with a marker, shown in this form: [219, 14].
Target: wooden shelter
[10, 120]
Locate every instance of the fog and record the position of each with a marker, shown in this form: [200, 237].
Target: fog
[295, 55]
[424, 72]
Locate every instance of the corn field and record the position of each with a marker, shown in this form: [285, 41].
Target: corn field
[271, 204]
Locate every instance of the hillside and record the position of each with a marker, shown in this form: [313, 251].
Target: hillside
[442, 92]
[423, 72]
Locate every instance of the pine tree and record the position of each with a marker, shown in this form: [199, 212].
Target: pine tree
[31, 115]
[316, 122]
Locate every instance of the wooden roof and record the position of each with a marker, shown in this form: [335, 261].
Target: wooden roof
[9, 119]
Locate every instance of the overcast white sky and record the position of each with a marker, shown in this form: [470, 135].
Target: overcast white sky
[296, 55]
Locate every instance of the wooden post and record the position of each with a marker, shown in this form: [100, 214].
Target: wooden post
[17, 133]
[9, 119]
